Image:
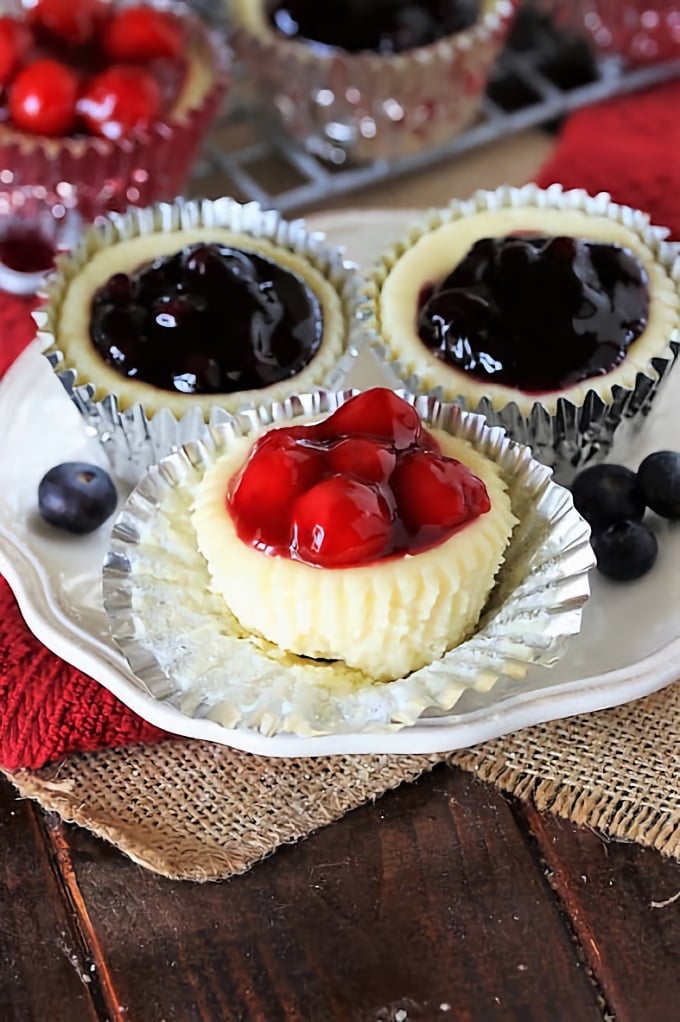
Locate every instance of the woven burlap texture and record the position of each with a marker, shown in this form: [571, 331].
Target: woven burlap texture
[193, 810]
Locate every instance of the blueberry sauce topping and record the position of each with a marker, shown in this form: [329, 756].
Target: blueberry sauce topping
[536, 313]
[382, 26]
[208, 319]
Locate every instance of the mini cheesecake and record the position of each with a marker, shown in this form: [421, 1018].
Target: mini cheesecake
[526, 304]
[197, 306]
[200, 317]
[106, 104]
[363, 538]
[168, 47]
[352, 530]
[370, 80]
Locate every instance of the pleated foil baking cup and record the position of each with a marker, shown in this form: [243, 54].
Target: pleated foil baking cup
[186, 648]
[570, 435]
[97, 175]
[366, 106]
[132, 437]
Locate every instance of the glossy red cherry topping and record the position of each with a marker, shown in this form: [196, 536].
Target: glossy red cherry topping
[78, 67]
[15, 40]
[120, 100]
[136, 34]
[42, 98]
[369, 482]
[72, 21]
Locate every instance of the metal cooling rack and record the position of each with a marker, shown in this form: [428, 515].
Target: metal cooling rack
[539, 79]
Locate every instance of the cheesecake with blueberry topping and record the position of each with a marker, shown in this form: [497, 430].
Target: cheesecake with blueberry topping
[206, 316]
[526, 304]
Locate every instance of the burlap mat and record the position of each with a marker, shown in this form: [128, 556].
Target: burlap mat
[192, 810]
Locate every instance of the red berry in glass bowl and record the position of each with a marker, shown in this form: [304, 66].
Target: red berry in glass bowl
[432, 490]
[120, 100]
[73, 21]
[377, 413]
[340, 522]
[137, 34]
[15, 42]
[42, 99]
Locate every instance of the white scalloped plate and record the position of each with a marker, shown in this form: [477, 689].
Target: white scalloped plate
[629, 645]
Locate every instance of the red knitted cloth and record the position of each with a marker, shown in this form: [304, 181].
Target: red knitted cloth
[628, 147]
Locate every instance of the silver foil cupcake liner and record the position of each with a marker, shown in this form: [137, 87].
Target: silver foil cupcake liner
[571, 435]
[157, 587]
[366, 106]
[133, 439]
[98, 175]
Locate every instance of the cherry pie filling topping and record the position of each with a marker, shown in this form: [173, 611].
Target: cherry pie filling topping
[367, 483]
[89, 67]
[536, 313]
[208, 319]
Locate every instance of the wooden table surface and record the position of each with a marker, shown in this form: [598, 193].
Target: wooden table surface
[443, 901]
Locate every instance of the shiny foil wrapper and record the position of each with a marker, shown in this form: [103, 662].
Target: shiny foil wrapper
[98, 175]
[366, 106]
[573, 435]
[157, 587]
[133, 441]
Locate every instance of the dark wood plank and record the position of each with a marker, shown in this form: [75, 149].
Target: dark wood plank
[45, 971]
[427, 905]
[624, 904]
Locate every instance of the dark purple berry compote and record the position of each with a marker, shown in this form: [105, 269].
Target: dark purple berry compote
[536, 313]
[208, 319]
[380, 26]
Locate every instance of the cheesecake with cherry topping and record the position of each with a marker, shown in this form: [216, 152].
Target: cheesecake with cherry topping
[363, 537]
[104, 97]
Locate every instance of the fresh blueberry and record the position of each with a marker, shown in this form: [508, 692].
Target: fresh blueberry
[604, 494]
[659, 483]
[625, 550]
[76, 496]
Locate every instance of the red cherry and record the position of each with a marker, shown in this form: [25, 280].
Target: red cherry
[260, 496]
[42, 98]
[137, 34]
[73, 21]
[432, 490]
[378, 413]
[340, 522]
[15, 42]
[363, 458]
[120, 100]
